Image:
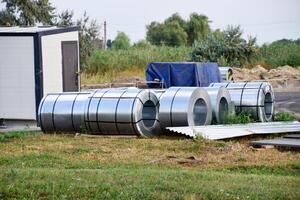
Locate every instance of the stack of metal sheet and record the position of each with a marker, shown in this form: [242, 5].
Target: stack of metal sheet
[217, 132]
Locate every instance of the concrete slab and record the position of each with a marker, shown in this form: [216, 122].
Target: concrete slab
[18, 125]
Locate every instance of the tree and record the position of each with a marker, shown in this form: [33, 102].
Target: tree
[121, 41]
[142, 44]
[173, 34]
[170, 33]
[176, 18]
[109, 44]
[65, 19]
[7, 18]
[31, 12]
[27, 12]
[197, 28]
[88, 33]
[227, 47]
[154, 33]
[175, 31]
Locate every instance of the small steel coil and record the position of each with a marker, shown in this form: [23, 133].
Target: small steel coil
[184, 106]
[220, 103]
[256, 98]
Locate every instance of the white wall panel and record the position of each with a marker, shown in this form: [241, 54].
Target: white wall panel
[52, 60]
[17, 81]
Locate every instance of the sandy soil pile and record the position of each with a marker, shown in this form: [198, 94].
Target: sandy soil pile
[284, 76]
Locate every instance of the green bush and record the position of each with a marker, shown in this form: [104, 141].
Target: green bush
[122, 41]
[284, 116]
[282, 52]
[103, 61]
[225, 47]
[242, 118]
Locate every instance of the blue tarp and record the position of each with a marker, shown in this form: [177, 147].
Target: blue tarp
[183, 73]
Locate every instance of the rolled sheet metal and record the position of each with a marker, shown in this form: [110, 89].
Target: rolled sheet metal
[226, 74]
[220, 103]
[256, 98]
[125, 111]
[63, 111]
[184, 106]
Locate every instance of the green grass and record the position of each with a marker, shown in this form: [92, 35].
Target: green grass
[242, 118]
[280, 53]
[111, 61]
[11, 135]
[284, 116]
[66, 167]
[291, 169]
[143, 182]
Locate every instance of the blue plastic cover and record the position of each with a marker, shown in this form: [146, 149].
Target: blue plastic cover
[183, 74]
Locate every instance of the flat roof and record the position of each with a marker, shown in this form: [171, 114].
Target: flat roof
[32, 30]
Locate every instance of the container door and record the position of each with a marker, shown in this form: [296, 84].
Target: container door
[70, 66]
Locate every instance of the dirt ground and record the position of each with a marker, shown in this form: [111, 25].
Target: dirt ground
[280, 77]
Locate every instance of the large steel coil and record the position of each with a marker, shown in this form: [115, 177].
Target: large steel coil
[184, 106]
[256, 98]
[63, 111]
[220, 103]
[123, 111]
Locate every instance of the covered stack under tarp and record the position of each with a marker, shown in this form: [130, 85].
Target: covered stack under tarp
[183, 74]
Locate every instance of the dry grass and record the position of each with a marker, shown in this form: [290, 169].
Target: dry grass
[171, 152]
[108, 77]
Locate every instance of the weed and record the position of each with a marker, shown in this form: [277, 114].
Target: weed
[284, 116]
[242, 118]
[114, 61]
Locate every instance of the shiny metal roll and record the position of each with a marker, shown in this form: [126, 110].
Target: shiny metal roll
[256, 98]
[63, 111]
[124, 111]
[184, 106]
[220, 103]
[226, 74]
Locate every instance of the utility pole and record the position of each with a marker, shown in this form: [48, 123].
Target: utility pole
[104, 39]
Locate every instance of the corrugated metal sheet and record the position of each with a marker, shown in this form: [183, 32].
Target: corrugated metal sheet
[216, 132]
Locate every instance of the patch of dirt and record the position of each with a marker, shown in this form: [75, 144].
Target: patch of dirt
[284, 76]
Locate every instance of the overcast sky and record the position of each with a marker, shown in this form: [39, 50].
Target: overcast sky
[269, 20]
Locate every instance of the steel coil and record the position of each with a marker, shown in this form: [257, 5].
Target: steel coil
[220, 103]
[63, 111]
[256, 98]
[125, 111]
[184, 106]
[226, 74]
